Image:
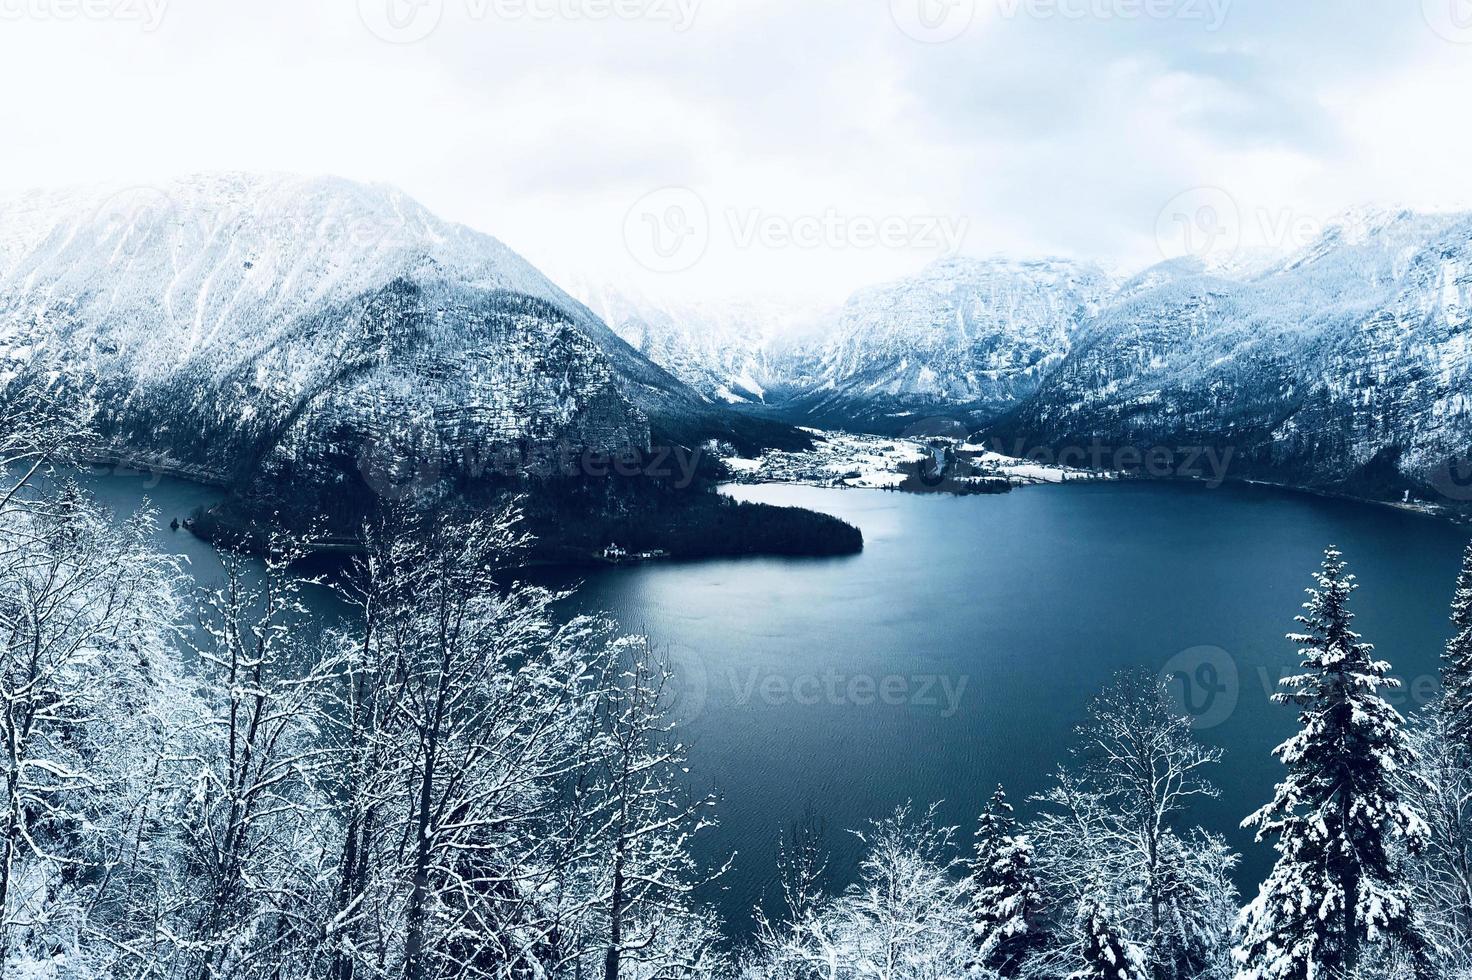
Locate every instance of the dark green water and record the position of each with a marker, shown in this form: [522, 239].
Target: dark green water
[960, 649]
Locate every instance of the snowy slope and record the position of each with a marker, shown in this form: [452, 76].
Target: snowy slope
[970, 333]
[245, 325]
[977, 335]
[1343, 366]
[723, 349]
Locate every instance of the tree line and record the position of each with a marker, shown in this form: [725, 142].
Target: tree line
[457, 781]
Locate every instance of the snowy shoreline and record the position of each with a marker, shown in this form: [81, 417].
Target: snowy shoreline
[917, 465]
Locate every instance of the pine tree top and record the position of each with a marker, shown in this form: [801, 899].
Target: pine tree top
[1462, 599]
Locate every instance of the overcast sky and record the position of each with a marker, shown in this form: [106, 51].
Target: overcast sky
[758, 147]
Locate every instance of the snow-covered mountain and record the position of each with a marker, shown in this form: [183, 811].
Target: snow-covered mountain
[978, 333]
[972, 334]
[724, 350]
[1344, 366]
[272, 329]
[269, 330]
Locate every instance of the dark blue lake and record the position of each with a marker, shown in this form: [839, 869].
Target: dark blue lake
[961, 648]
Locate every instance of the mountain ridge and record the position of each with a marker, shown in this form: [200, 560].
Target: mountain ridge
[1339, 366]
[322, 339]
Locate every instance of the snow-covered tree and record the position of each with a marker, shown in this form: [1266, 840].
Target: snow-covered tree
[1105, 953]
[1141, 753]
[1339, 816]
[907, 917]
[802, 868]
[89, 699]
[37, 432]
[1005, 896]
[483, 820]
[1456, 671]
[1109, 833]
[256, 821]
[1440, 788]
[642, 824]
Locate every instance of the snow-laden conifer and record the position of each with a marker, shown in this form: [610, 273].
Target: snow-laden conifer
[1339, 816]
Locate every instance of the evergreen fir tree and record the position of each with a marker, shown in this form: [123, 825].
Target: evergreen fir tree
[1107, 955]
[1456, 672]
[1005, 890]
[1339, 812]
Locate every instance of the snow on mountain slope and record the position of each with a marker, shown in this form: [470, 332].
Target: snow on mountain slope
[969, 333]
[721, 349]
[1344, 366]
[976, 335]
[241, 325]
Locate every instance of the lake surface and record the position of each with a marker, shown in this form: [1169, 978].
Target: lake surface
[961, 648]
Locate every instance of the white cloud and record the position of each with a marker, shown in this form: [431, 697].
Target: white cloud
[822, 119]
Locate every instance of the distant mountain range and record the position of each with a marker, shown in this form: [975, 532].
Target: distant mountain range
[270, 331]
[1343, 366]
